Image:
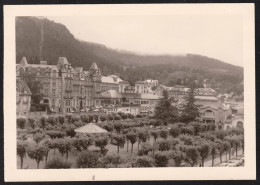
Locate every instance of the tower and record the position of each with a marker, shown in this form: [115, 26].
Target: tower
[95, 76]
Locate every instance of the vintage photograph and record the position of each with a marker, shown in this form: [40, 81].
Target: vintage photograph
[131, 90]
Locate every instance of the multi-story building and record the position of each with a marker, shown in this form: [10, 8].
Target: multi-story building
[64, 88]
[23, 98]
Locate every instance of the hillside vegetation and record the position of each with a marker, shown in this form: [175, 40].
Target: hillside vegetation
[169, 70]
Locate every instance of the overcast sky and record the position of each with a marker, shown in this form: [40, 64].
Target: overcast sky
[215, 36]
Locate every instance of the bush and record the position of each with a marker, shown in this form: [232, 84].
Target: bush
[111, 161]
[31, 123]
[37, 152]
[108, 127]
[58, 163]
[70, 131]
[103, 118]
[145, 149]
[160, 159]
[163, 134]
[55, 134]
[164, 145]
[87, 159]
[38, 137]
[20, 123]
[143, 161]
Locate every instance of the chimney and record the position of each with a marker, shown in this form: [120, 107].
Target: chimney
[43, 62]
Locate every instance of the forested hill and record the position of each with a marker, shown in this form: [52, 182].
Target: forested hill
[169, 70]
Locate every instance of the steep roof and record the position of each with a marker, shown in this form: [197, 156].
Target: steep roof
[62, 61]
[24, 61]
[78, 69]
[93, 66]
[110, 79]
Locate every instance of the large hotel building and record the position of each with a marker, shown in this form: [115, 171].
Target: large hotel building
[69, 89]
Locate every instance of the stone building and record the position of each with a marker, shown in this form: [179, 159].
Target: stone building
[23, 98]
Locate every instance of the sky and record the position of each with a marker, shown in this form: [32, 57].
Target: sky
[215, 36]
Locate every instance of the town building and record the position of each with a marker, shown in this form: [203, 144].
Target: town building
[64, 88]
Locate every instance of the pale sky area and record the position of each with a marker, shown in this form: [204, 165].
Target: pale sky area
[215, 36]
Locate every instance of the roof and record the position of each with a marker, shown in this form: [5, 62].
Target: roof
[150, 96]
[90, 128]
[111, 94]
[209, 98]
[24, 61]
[62, 61]
[93, 66]
[78, 69]
[139, 82]
[110, 79]
[22, 88]
[205, 91]
[42, 66]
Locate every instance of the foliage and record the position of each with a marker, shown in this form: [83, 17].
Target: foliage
[21, 150]
[154, 133]
[118, 140]
[82, 143]
[163, 133]
[87, 159]
[118, 127]
[160, 159]
[175, 131]
[58, 163]
[43, 122]
[145, 149]
[21, 122]
[204, 150]
[101, 142]
[64, 146]
[164, 111]
[38, 137]
[55, 134]
[143, 161]
[164, 145]
[70, 130]
[192, 155]
[37, 152]
[31, 123]
[111, 161]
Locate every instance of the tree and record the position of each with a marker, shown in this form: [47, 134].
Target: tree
[43, 122]
[132, 138]
[31, 122]
[191, 111]
[226, 148]
[204, 150]
[21, 123]
[101, 142]
[38, 137]
[164, 145]
[70, 130]
[164, 134]
[61, 119]
[21, 151]
[119, 141]
[175, 131]
[142, 136]
[37, 152]
[52, 120]
[64, 146]
[177, 156]
[213, 151]
[82, 143]
[220, 147]
[58, 163]
[87, 159]
[164, 111]
[35, 87]
[118, 127]
[145, 149]
[192, 155]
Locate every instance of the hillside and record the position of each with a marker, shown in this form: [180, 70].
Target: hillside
[169, 70]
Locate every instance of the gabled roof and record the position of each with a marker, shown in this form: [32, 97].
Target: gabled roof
[62, 61]
[93, 66]
[110, 79]
[78, 69]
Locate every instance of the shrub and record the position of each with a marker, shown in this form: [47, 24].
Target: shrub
[111, 161]
[138, 115]
[103, 118]
[163, 134]
[55, 134]
[108, 127]
[82, 143]
[31, 123]
[175, 131]
[160, 159]
[143, 161]
[70, 131]
[87, 159]
[61, 119]
[58, 163]
[145, 149]
[38, 137]
[118, 127]
[177, 156]
[52, 120]
[20, 123]
[164, 145]
[101, 142]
